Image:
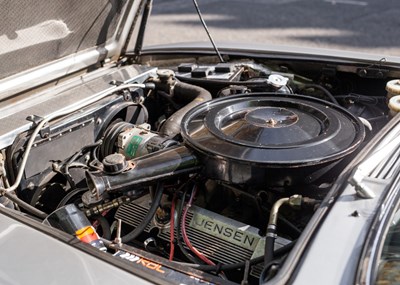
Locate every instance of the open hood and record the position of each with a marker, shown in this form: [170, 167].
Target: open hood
[53, 39]
[191, 163]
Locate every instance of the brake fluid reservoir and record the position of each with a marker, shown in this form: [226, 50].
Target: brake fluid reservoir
[393, 88]
[394, 105]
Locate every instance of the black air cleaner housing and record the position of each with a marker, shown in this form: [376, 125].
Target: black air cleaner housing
[269, 139]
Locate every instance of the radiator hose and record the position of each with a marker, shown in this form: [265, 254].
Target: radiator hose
[188, 94]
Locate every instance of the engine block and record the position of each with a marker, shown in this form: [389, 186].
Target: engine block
[220, 238]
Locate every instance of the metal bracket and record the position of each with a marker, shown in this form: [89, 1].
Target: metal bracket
[116, 82]
[2, 167]
[362, 189]
[45, 131]
[374, 70]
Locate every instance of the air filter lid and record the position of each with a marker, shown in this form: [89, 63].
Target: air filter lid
[272, 130]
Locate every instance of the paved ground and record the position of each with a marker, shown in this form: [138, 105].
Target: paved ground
[368, 25]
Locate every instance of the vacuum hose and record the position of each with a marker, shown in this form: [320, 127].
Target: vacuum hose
[150, 214]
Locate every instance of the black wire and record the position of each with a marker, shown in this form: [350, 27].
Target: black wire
[95, 163]
[105, 226]
[80, 153]
[226, 267]
[371, 100]
[145, 111]
[154, 206]
[95, 153]
[383, 117]
[25, 206]
[323, 89]
[75, 157]
[207, 31]
[70, 194]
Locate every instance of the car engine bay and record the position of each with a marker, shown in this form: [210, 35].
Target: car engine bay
[213, 166]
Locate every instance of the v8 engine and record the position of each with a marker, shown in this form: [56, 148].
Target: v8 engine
[216, 171]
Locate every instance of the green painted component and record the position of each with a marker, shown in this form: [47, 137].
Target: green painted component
[133, 146]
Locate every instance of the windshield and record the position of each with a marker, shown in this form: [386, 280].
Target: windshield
[389, 264]
[369, 26]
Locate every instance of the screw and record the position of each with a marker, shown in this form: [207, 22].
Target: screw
[31, 186]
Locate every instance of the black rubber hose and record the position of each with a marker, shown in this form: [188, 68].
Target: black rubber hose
[71, 194]
[269, 244]
[226, 267]
[290, 225]
[190, 94]
[75, 157]
[105, 226]
[267, 273]
[25, 206]
[154, 206]
[323, 89]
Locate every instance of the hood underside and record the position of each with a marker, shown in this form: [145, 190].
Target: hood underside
[42, 34]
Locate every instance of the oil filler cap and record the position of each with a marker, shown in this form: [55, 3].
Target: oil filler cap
[114, 163]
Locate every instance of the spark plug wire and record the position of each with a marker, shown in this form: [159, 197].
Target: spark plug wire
[184, 234]
[172, 228]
